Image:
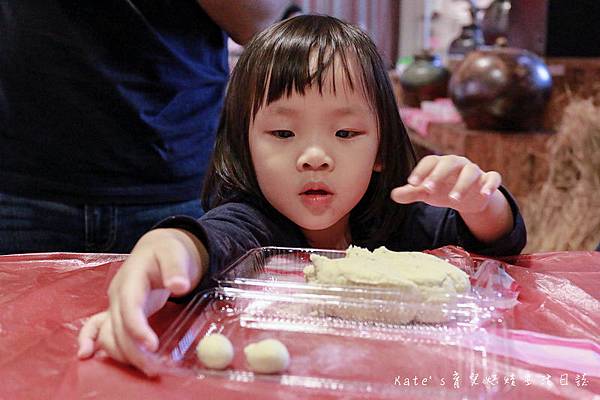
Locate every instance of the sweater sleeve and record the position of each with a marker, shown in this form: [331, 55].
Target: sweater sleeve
[429, 227]
[510, 244]
[230, 230]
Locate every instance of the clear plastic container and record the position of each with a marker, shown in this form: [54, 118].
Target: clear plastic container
[280, 270]
[331, 350]
[353, 340]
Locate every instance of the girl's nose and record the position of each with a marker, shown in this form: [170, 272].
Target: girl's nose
[314, 159]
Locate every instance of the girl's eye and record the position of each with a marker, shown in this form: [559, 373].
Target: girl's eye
[282, 134]
[344, 134]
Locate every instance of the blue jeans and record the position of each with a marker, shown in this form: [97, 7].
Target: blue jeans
[29, 225]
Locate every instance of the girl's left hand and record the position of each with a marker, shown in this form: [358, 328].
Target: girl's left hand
[449, 181]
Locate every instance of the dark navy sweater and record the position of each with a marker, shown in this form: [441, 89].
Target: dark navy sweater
[230, 230]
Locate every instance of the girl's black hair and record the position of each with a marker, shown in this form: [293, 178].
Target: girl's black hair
[277, 62]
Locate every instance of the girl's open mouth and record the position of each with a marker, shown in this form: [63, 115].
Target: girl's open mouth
[319, 192]
[316, 189]
[316, 196]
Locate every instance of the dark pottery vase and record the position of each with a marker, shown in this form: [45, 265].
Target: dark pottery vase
[470, 38]
[425, 79]
[495, 22]
[501, 88]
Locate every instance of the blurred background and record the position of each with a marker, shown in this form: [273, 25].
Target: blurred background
[514, 85]
[555, 28]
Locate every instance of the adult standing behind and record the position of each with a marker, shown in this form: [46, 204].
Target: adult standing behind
[107, 114]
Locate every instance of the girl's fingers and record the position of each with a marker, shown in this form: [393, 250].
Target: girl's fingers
[174, 263]
[158, 266]
[468, 177]
[448, 181]
[492, 181]
[161, 267]
[88, 335]
[133, 306]
[423, 169]
[131, 351]
[136, 299]
[409, 194]
[447, 167]
[174, 271]
[106, 340]
[97, 333]
[128, 297]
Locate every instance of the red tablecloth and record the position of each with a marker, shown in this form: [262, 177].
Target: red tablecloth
[44, 297]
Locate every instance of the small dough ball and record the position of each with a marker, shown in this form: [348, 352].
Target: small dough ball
[268, 356]
[215, 351]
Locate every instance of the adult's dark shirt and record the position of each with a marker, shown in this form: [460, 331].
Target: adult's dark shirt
[108, 101]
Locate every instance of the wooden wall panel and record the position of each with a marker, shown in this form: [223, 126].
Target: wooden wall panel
[380, 18]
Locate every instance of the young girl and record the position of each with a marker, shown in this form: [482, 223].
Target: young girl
[309, 151]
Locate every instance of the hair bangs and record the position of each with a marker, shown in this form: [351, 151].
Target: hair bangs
[308, 56]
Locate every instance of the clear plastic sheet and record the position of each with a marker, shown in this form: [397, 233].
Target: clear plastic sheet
[553, 332]
[336, 344]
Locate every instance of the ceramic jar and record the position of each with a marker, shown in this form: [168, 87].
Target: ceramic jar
[425, 79]
[470, 38]
[501, 88]
[495, 21]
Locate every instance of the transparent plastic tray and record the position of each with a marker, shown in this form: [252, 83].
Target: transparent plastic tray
[280, 270]
[372, 356]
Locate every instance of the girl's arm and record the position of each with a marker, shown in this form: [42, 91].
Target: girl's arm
[164, 262]
[455, 182]
[493, 222]
[172, 260]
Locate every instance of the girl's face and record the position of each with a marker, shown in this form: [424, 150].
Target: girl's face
[314, 155]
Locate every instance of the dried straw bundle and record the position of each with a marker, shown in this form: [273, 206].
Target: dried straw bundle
[565, 213]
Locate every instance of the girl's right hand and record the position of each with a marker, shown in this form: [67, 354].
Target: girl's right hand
[164, 262]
